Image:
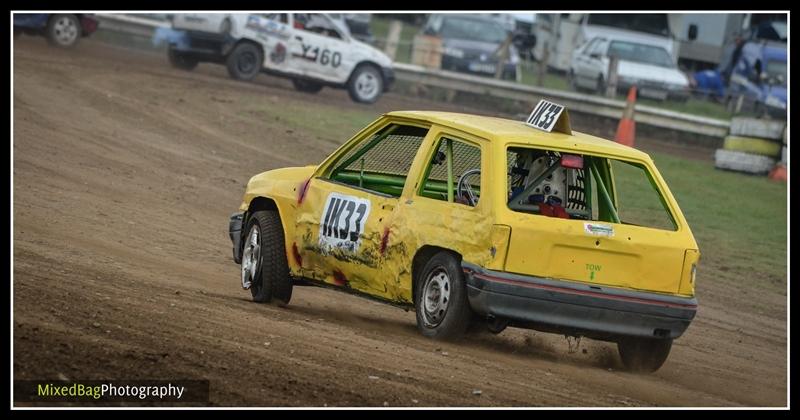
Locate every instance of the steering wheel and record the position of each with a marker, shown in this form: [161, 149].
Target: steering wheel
[466, 187]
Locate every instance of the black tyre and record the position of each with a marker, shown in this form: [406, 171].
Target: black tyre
[265, 270]
[181, 60]
[63, 30]
[601, 86]
[307, 86]
[643, 354]
[365, 84]
[441, 298]
[245, 61]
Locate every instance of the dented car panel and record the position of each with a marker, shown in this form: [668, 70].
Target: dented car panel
[356, 225]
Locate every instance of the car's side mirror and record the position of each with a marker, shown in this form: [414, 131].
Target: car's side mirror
[692, 35]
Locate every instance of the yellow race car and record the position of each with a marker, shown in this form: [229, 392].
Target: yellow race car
[471, 219]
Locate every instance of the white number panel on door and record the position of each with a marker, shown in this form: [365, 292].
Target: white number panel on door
[343, 220]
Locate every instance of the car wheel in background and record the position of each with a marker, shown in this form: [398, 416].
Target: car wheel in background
[600, 89]
[365, 84]
[307, 85]
[643, 354]
[181, 60]
[441, 298]
[245, 61]
[63, 30]
[265, 269]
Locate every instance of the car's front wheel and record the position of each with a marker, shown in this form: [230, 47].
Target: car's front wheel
[63, 31]
[265, 269]
[441, 298]
[643, 354]
[245, 61]
[365, 84]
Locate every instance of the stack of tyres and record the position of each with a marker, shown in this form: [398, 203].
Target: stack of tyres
[753, 146]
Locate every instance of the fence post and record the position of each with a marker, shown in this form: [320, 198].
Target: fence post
[542, 67]
[502, 54]
[611, 87]
[393, 39]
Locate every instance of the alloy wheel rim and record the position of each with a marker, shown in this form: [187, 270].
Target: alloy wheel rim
[251, 256]
[65, 30]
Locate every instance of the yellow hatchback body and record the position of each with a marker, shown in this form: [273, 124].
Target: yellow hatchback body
[469, 219]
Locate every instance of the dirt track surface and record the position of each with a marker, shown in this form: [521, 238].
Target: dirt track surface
[125, 173]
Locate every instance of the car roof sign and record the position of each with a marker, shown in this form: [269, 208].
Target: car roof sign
[548, 116]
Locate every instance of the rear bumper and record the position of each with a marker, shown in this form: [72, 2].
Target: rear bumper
[595, 311]
[203, 45]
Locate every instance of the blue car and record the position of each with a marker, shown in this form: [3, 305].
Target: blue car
[62, 30]
[759, 76]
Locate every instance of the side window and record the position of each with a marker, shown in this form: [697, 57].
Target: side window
[316, 23]
[597, 48]
[278, 17]
[586, 50]
[454, 172]
[382, 161]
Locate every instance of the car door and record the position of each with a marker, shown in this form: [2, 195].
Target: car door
[319, 49]
[273, 32]
[581, 60]
[435, 212]
[345, 216]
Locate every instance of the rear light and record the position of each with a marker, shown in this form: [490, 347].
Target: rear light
[689, 277]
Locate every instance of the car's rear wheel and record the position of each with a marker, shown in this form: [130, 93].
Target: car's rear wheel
[643, 354]
[245, 61]
[365, 84]
[181, 60]
[441, 298]
[265, 269]
[63, 30]
[307, 86]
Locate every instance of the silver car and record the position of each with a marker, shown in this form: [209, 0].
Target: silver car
[647, 65]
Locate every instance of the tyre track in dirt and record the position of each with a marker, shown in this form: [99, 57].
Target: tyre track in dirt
[124, 174]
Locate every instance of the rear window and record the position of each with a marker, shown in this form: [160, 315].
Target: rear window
[585, 187]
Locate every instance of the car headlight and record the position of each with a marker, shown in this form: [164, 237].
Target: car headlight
[775, 101]
[453, 52]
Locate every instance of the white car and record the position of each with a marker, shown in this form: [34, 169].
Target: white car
[310, 48]
[645, 64]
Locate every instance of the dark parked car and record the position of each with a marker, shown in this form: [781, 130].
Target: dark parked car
[471, 43]
[62, 30]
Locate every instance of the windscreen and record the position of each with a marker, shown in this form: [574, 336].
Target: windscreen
[640, 53]
[473, 29]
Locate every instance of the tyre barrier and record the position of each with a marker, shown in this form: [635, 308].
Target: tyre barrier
[759, 128]
[752, 145]
[743, 162]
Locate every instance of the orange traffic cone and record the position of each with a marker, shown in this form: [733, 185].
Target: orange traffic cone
[626, 130]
